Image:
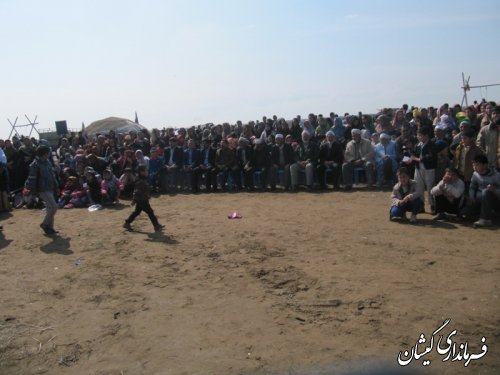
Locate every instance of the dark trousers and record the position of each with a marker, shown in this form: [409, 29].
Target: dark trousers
[490, 202]
[146, 207]
[444, 205]
[336, 171]
[412, 206]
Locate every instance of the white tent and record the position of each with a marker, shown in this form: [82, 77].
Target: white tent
[119, 125]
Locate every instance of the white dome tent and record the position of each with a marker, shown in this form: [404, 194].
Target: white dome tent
[119, 125]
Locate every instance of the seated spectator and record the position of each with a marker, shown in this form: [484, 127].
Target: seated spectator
[448, 194]
[156, 164]
[307, 155]
[243, 164]
[127, 180]
[359, 153]
[259, 162]
[484, 192]
[174, 159]
[207, 164]
[93, 188]
[464, 154]
[405, 197]
[225, 160]
[282, 157]
[191, 166]
[72, 194]
[331, 157]
[385, 160]
[110, 188]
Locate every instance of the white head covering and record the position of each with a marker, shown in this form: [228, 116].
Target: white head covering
[356, 131]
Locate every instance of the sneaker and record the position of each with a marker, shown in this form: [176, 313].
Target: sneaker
[413, 219]
[481, 223]
[159, 227]
[439, 216]
[127, 226]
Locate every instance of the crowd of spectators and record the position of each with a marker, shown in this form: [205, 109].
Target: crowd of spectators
[314, 153]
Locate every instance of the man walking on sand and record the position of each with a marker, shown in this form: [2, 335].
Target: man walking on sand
[42, 180]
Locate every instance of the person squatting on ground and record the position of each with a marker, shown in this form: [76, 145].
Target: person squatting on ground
[448, 194]
[484, 192]
[141, 201]
[405, 197]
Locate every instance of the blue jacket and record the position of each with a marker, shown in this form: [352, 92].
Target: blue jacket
[41, 177]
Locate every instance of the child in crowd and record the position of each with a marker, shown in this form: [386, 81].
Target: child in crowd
[127, 180]
[141, 201]
[93, 187]
[110, 188]
[405, 197]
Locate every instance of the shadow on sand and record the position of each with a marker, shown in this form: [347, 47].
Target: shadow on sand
[59, 245]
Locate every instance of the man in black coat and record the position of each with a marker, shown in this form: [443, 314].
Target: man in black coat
[174, 160]
[282, 157]
[331, 158]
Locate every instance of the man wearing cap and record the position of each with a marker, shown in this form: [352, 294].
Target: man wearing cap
[331, 157]
[358, 153]
[488, 139]
[307, 155]
[385, 160]
[282, 157]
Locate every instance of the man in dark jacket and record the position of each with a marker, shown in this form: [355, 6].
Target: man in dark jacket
[174, 160]
[42, 180]
[331, 157]
[282, 157]
[207, 164]
[425, 160]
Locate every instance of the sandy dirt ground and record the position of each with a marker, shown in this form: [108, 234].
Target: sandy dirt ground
[303, 283]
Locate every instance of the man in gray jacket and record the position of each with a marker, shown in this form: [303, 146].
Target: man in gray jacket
[484, 192]
[42, 180]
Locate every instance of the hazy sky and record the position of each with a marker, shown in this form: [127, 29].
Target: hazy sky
[195, 61]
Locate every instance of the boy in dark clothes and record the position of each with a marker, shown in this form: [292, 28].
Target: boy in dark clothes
[141, 201]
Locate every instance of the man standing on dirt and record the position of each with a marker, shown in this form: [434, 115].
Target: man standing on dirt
[42, 180]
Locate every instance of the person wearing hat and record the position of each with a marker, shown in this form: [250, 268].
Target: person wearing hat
[42, 180]
[488, 139]
[359, 153]
[484, 192]
[331, 157]
[385, 160]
